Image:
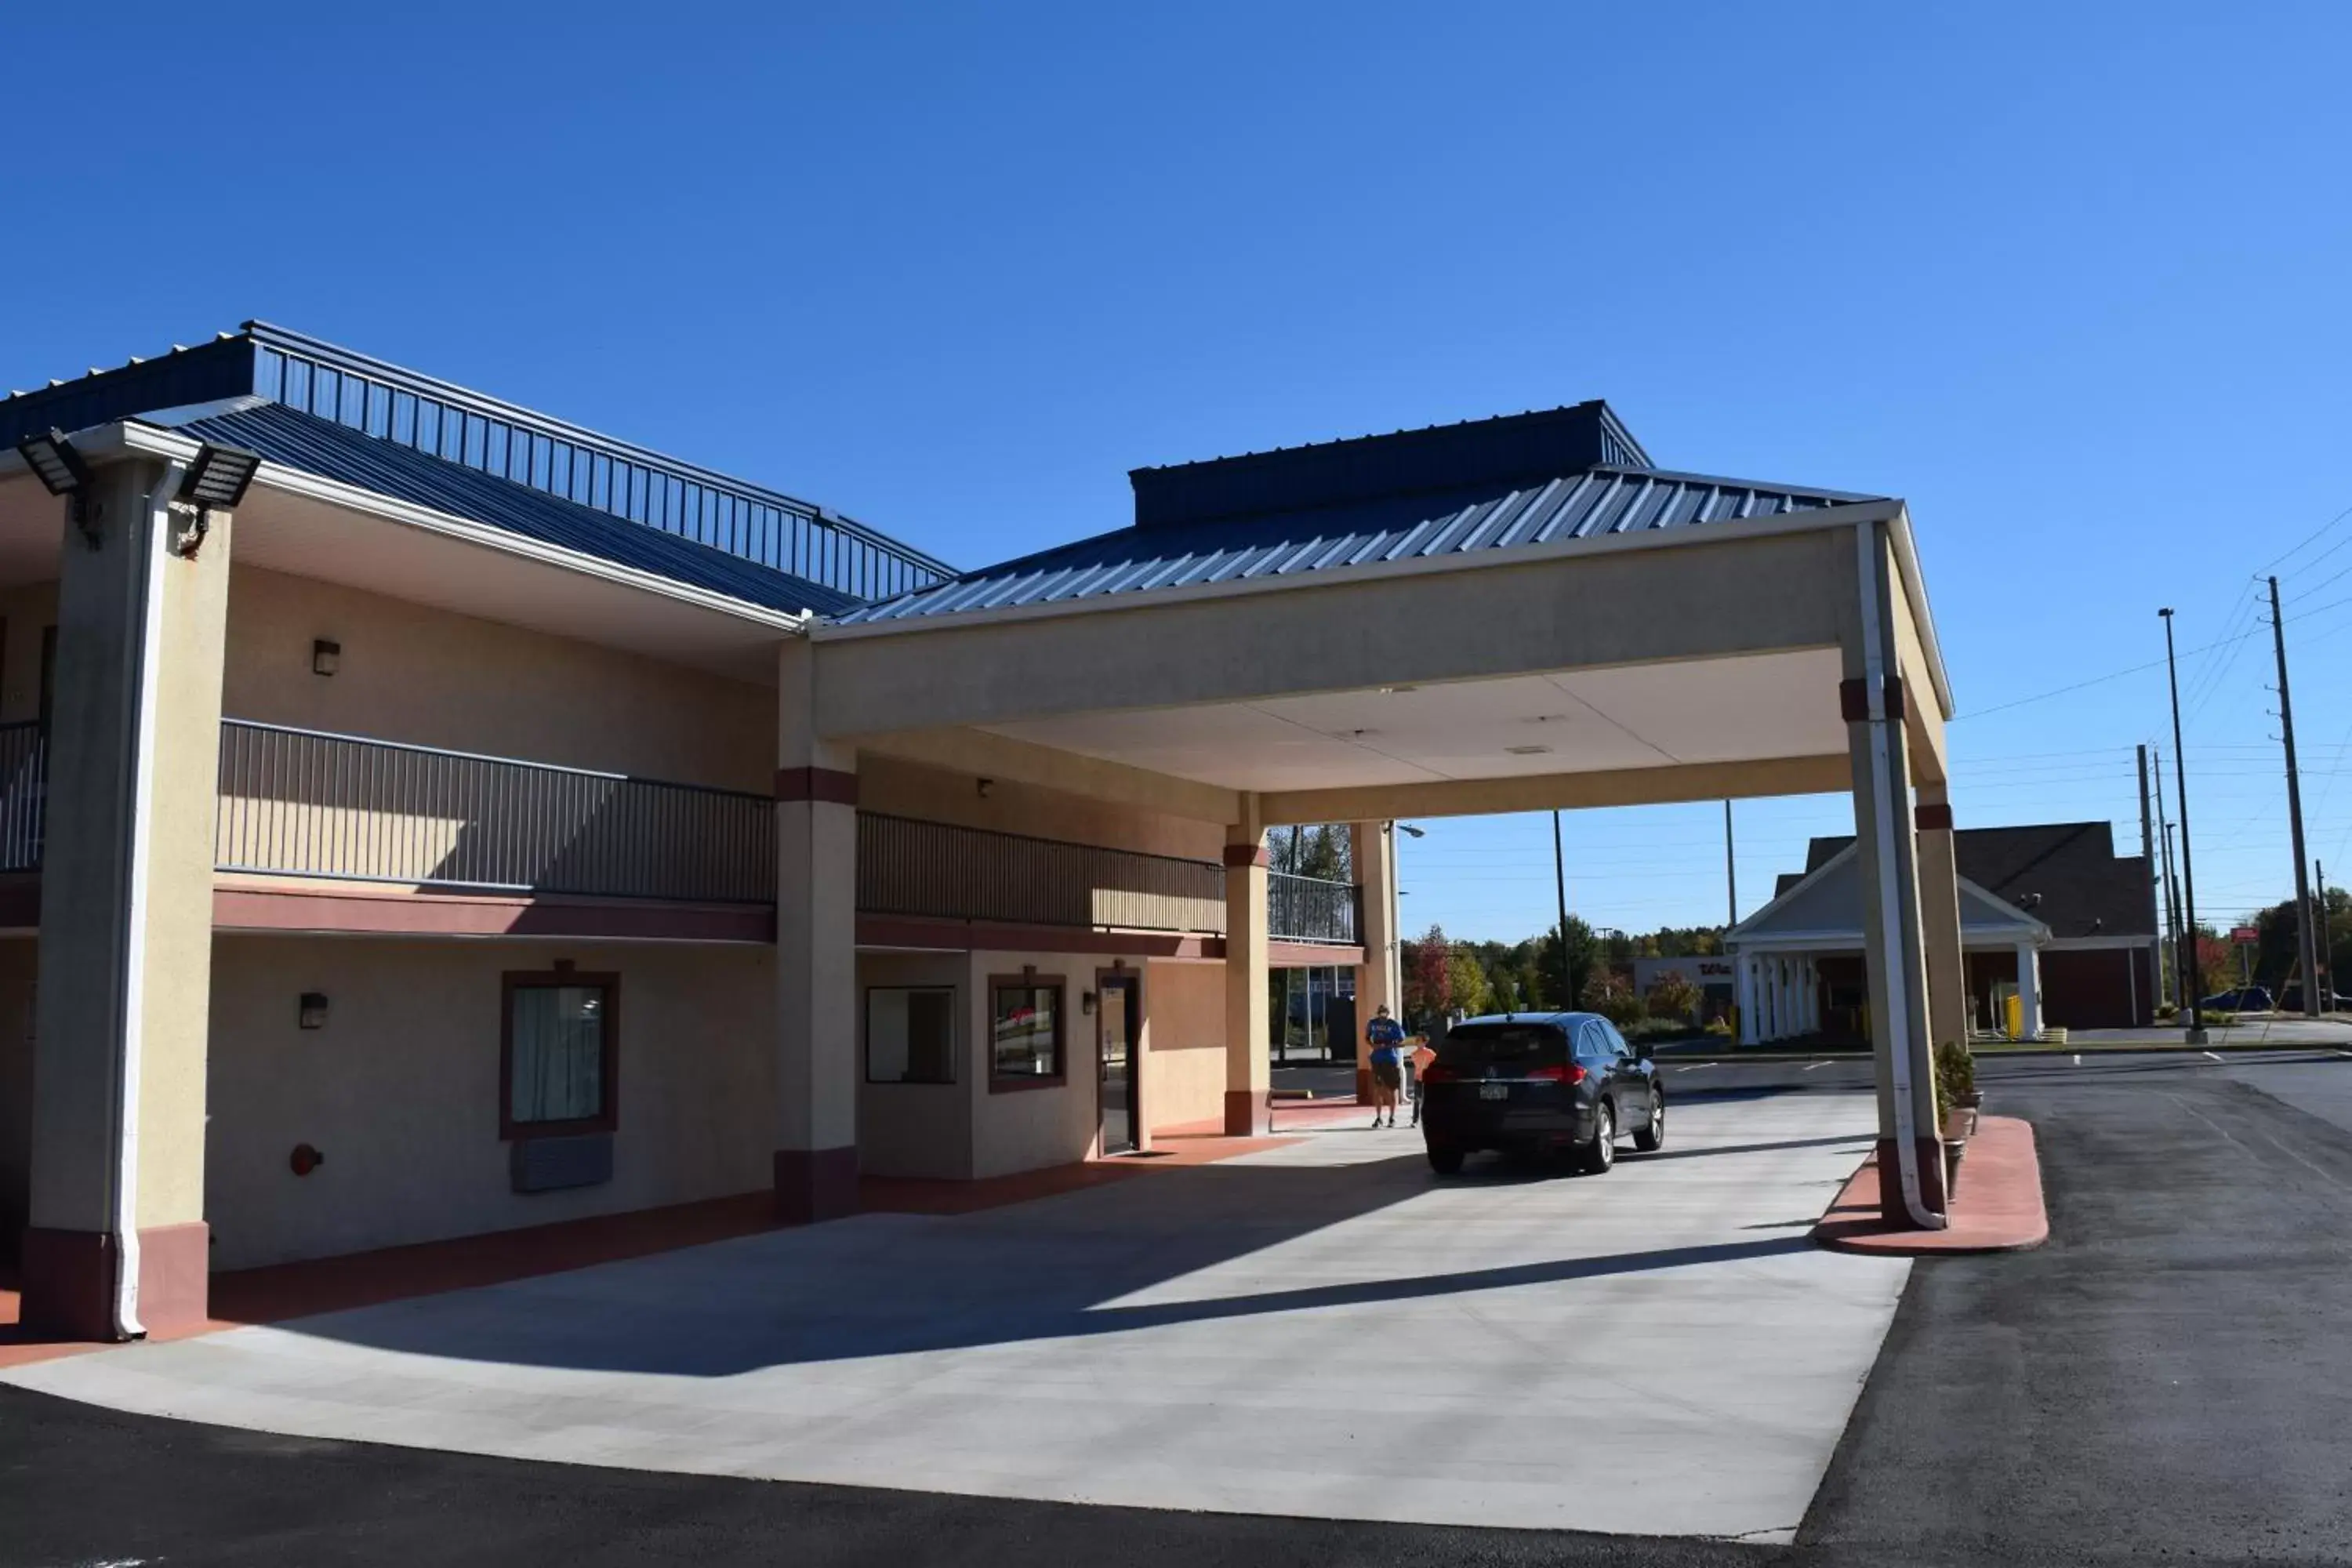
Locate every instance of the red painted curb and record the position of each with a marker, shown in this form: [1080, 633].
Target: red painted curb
[1998, 1208]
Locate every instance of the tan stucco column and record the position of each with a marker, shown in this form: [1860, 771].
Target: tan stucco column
[816, 956]
[1872, 698]
[1248, 1058]
[1939, 917]
[117, 1243]
[1374, 851]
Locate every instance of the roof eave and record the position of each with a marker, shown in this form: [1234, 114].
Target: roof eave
[1810, 521]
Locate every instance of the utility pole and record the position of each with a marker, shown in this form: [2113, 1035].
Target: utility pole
[2196, 1034]
[2147, 858]
[2171, 885]
[1730, 872]
[2295, 816]
[2326, 932]
[1559, 882]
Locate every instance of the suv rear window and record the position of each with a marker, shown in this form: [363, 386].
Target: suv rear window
[1504, 1045]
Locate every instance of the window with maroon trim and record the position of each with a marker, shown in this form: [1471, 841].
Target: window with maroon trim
[1026, 1045]
[559, 1055]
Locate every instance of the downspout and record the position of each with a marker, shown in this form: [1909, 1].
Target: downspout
[1890, 884]
[152, 535]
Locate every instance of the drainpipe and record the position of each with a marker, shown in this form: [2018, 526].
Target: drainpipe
[151, 531]
[1890, 885]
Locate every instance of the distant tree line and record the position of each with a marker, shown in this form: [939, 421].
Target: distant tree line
[1444, 978]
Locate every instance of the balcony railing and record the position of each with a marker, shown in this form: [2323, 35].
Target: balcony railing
[301, 804]
[910, 867]
[907, 866]
[1309, 908]
[24, 787]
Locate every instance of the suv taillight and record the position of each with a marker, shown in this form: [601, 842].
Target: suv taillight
[1570, 1074]
[1437, 1072]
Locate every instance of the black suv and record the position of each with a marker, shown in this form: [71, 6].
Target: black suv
[1536, 1083]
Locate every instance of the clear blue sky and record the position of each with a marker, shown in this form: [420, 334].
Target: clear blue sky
[2070, 279]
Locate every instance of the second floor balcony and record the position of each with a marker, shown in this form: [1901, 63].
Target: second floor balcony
[311, 805]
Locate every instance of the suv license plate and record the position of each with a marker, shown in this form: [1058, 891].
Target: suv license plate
[1494, 1091]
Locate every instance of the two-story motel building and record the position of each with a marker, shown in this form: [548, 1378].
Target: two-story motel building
[476, 822]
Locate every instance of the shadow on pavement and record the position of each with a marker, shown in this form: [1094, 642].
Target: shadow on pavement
[892, 1285]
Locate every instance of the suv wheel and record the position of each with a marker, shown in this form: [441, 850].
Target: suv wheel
[1445, 1162]
[1651, 1137]
[1601, 1151]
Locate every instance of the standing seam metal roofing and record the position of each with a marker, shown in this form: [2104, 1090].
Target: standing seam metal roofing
[1598, 502]
[321, 447]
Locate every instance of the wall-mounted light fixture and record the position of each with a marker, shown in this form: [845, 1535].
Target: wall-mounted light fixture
[304, 1159]
[326, 658]
[312, 1013]
[1086, 1002]
[62, 472]
[215, 481]
[986, 785]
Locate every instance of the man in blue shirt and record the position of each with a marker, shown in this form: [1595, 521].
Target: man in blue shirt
[1385, 1037]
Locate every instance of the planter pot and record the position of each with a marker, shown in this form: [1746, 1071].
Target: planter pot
[1954, 1149]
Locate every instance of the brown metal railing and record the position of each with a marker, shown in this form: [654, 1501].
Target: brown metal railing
[303, 803]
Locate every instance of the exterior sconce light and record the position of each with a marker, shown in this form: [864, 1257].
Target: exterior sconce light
[326, 656]
[986, 785]
[1409, 830]
[215, 481]
[304, 1159]
[1086, 1002]
[62, 472]
[313, 1010]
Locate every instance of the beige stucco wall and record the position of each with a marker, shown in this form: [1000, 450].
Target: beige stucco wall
[400, 1092]
[1027, 1128]
[432, 679]
[909, 789]
[19, 961]
[27, 611]
[1184, 1052]
[916, 1128]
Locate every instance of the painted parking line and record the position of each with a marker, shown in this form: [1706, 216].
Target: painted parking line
[1698, 1066]
[1811, 1066]
[2078, 1059]
[2211, 1056]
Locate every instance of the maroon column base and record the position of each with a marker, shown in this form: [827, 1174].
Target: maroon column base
[70, 1281]
[1932, 1186]
[1246, 1114]
[1364, 1086]
[815, 1184]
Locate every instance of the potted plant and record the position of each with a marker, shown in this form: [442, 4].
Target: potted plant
[1956, 1082]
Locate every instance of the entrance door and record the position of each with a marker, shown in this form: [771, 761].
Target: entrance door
[1116, 1025]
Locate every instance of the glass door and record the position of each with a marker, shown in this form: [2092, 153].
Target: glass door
[1114, 1031]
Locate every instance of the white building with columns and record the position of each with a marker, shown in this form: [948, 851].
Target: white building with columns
[1798, 959]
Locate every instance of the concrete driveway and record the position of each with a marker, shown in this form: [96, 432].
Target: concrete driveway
[1321, 1330]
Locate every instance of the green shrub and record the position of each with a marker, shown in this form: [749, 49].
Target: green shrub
[1719, 1027]
[1956, 1076]
[1621, 1008]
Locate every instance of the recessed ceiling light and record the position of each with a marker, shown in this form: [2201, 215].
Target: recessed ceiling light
[1527, 750]
[1549, 718]
[1392, 690]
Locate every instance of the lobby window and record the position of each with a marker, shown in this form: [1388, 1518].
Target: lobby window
[1024, 1042]
[911, 1033]
[559, 1050]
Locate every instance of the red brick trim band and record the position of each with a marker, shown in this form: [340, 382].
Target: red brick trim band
[70, 1278]
[1933, 818]
[1239, 855]
[1854, 698]
[815, 1184]
[1246, 1114]
[828, 784]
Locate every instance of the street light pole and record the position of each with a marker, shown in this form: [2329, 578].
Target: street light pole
[2196, 1035]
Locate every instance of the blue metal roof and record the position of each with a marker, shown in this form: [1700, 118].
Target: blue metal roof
[334, 451]
[1602, 500]
[467, 429]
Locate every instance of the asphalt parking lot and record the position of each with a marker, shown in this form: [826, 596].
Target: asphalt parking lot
[2165, 1380]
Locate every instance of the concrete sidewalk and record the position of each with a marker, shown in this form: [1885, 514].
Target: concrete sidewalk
[1318, 1329]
